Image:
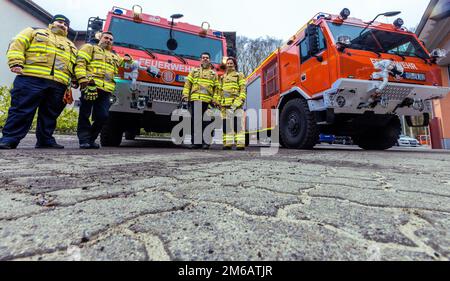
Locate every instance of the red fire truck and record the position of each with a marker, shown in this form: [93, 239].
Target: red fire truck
[342, 76]
[164, 52]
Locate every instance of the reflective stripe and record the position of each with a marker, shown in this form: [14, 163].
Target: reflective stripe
[62, 75]
[51, 50]
[231, 84]
[228, 138]
[37, 69]
[204, 81]
[103, 66]
[80, 72]
[15, 55]
[109, 87]
[23, 39]
[38, 45]
[227, 102]
[84, 55]
[12, 52]
[59, 52]
[45, 71]
[202, 97]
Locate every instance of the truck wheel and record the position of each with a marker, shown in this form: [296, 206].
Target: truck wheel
[380, 138]
[112, 131]
[298, 127]
[130, 135]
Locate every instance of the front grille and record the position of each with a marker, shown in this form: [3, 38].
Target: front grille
[164, 94]
[396, 92]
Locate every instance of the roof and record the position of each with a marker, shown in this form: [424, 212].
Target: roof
[33, 9]
[436, 10]
[41, 14]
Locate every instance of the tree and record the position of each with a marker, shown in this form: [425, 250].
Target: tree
[252, 52]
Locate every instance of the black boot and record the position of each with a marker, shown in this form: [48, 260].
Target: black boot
[4, 145]
[49, 146]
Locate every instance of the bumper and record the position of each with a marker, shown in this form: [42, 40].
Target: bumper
[355, 96]
[160, 99]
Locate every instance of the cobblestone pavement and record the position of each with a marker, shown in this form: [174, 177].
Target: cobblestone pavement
[152, 201]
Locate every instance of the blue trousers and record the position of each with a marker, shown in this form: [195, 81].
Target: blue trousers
[29, 94]
[99, 109]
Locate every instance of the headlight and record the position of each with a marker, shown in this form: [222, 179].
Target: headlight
[414, 76]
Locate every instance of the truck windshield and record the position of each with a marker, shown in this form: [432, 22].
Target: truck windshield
[155, 38]
[379, 41]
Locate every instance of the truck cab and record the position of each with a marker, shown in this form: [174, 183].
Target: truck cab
[342, 76]
[164, 51]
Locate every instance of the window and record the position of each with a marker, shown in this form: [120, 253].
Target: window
[305, 53]
[322, 41]
[154, 38]
[304, 50]
[380, 41]
[270, 85]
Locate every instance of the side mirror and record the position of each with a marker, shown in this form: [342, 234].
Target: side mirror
[172, 44]
[439, 53]
[313, 39]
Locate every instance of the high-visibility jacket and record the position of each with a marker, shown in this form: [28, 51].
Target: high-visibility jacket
[201, 85]
[232, 90]
[43, 53]
[94, 62]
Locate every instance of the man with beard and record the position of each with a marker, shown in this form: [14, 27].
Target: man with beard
[95, 69]
[43, 60]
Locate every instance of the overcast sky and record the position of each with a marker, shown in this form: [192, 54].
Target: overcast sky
[252, 18]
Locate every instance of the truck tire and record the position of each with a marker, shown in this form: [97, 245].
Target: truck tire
[298, 128]
[112, 131]
[380, 138]
[130, 135]
[131, 123]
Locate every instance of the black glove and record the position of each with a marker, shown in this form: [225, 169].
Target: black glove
[74, 84]
[90, 91]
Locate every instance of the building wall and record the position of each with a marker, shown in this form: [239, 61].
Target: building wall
[16, 22]
[444, 110]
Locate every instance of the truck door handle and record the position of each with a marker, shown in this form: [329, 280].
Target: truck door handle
[303, 77]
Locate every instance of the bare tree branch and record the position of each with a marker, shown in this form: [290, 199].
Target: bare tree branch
[252, 52]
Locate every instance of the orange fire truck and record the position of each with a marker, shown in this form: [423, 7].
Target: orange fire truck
[164, 52]
[342, 76]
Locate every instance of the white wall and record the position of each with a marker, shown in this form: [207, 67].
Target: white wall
[13, 20]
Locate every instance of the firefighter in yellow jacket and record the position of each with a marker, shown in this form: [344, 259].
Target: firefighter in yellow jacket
[95, 70]
[43, 60]
[199, 91]
[231, 96]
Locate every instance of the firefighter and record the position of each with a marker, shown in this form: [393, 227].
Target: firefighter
[43, 60]
[95, 69]
[232, 95]
[199, 90]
